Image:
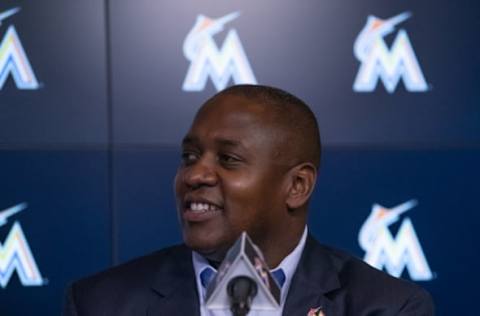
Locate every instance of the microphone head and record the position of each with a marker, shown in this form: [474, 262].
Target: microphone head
[241, 291]
[242, 286]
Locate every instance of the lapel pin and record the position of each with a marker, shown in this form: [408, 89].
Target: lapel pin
[316, 312]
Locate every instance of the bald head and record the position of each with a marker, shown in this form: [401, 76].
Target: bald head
[294, 122]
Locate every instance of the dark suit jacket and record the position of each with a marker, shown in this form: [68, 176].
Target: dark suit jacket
[163, 283]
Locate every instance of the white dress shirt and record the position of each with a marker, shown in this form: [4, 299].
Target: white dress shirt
[288, 264]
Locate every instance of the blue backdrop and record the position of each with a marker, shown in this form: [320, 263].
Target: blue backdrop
[96, 95]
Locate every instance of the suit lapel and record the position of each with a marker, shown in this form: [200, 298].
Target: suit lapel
[174, 289]
[314, 278]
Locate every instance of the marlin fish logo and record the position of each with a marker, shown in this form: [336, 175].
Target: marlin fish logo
[13, 59]
[8, 13]
[379, 218]
[374, 29]
[380, 62]
[395, 254]
[207, 60]
[203, 30]
[15, 253]
[5, 214]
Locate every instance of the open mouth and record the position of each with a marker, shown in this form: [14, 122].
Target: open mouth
[200, 210]
[200, 207]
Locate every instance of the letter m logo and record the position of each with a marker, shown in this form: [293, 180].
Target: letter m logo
[15, 254]
[14, 61]
[397, 254]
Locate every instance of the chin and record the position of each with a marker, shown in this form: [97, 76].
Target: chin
[199, 243]
[207, 248]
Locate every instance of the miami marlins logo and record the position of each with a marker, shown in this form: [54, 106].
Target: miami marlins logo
[383, 251]
[15, 254]
[206, 60]
[13, 59]
[380, 62]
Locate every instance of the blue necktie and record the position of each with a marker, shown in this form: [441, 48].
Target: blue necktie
[207, 275]
[279, 276]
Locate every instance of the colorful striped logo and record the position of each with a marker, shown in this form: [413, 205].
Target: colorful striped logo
[13, 60]
[208, 61]
[378, 62]
[16, 255]
[398, 253]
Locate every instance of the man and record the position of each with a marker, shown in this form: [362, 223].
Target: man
[249, 163]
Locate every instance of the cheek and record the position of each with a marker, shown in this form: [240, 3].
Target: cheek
[245, 190]
[179, 190]
[248, 199]
[178, 183]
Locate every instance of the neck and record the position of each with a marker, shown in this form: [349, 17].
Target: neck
[275, 251]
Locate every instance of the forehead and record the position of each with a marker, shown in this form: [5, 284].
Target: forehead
[236, 118]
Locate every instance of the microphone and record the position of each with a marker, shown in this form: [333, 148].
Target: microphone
[241, 290]
[243, 282]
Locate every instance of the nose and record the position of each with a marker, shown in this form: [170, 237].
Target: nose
[201, 173]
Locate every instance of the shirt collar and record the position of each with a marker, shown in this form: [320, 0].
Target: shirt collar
[289, 265]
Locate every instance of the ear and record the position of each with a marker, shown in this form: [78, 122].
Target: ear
[302, 181]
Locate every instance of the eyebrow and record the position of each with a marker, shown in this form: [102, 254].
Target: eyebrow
[189, 139]
[229, 143]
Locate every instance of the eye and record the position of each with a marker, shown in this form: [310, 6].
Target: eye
[189, 157]
[228, 159]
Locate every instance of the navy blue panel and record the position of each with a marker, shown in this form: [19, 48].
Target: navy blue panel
[66, 222]
[306, 48]
[445, 185]
[144, 200]
[65, 45]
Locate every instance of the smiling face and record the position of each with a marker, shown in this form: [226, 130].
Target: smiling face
[231, 178]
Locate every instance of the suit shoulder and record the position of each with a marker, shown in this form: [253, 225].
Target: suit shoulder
[134, 274]
[365, 285]
[354, 272]
[127, 288]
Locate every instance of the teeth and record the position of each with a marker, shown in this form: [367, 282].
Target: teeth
[202, 207]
